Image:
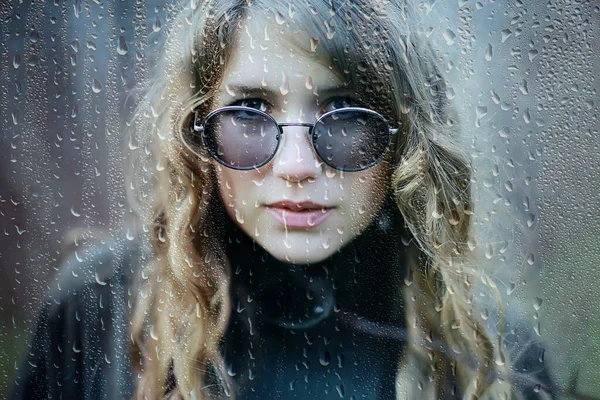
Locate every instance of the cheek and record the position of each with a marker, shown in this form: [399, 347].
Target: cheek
[365, 195]
[237, 188]
[371, 185]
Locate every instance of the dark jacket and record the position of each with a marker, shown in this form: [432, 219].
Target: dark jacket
[80, 346]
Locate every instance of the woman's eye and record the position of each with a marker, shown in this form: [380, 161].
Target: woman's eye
[339, 102]
[257, 104]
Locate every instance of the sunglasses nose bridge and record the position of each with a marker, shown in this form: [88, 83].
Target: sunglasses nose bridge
[306, 132]
[296, 157]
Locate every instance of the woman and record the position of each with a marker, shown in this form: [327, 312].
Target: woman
[309, 214]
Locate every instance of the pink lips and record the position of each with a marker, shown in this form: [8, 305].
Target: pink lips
[299, 215]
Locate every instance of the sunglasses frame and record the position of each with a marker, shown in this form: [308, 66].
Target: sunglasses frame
[199, 128]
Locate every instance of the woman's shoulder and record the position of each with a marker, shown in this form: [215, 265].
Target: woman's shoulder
[79, 347]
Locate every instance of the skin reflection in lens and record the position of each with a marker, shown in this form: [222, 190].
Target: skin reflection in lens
[244, 139]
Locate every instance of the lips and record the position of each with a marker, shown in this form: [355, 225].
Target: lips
[304, 214]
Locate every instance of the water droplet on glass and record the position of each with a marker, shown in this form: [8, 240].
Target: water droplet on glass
[229, 90]
[34, 36]
[325, 358]
[538, 329]
[98, 280]
[122, 48]
[284, 88]
[506, 33]
[15, 117]
[238, 216]
[523, 87]
[485, 314]
[330, 30]
[308, 84]
[129, 235]
[530, 259]
[489, 53]
[16, 61]
[489, 251]
[153, 334]
[156, 25]
[530, 220]
[96, 86]
[231, 370]
[481, 111]
[527, 116]
[537, 303]
[532, 54]
[279, 18]
[449, 37]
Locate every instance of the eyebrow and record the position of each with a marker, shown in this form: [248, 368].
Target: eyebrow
[248, 90]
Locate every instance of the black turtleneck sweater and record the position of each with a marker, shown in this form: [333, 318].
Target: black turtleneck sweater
[334, 329]
[322, 331]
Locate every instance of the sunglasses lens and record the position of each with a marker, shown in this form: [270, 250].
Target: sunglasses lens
[244, 138]
[351, 140]
[240, 139]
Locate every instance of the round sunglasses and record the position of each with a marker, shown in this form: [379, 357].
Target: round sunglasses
[244, 138]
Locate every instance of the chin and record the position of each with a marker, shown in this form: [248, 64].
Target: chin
[297, 251]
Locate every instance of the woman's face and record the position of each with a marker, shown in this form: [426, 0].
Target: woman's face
[296, 207]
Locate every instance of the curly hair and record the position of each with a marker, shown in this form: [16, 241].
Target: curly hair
[182, 297]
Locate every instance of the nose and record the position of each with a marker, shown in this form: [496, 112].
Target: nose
[296, 160]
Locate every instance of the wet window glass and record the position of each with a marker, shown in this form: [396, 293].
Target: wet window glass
[313, 199]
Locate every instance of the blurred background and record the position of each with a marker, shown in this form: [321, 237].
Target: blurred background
[522, 74]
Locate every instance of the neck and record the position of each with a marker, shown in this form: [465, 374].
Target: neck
[363, 278]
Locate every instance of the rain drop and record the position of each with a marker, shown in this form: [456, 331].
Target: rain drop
[34, 36]
[506, 33]
[156, 25]
[325, 358]
[98, 280]
[238, 216]
[313, 44]
[279, 18]
[122, 48]
[308, 84]
[15, 117]
[532, 54]
[489, 53]
[449, 37]
[96, 86]
[523, 87]
[231, 370]
[129, 235]
[530, 259]
[284, 88]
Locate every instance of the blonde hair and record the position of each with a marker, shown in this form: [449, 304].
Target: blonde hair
[182, 298]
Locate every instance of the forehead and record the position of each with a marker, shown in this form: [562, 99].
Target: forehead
[268, 54]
